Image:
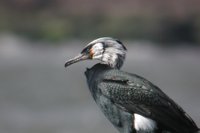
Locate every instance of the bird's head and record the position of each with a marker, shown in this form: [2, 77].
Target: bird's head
[106, 49]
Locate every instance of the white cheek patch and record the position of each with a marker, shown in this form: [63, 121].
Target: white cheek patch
[144, 124]
[95, 56]
[112, 53]
[97, 47]
[110, 56]
[97, 50]
[109, 59]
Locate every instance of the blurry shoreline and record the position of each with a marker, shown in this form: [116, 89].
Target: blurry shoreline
[58, 20]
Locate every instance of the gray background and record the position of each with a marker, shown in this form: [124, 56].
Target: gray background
[37, 94]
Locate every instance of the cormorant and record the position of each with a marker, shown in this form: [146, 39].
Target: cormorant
[131, 103]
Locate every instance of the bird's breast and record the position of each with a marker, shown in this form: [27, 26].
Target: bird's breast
[119, 118]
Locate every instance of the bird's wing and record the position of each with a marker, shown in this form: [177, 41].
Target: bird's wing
[137, 95]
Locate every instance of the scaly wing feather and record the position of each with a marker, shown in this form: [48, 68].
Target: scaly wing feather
[137, 95]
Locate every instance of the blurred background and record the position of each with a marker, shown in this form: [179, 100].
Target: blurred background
[37, 94]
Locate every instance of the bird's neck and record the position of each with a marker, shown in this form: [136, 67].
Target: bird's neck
[112, 65]
[113, 57]
[96, 70]
[93, 73]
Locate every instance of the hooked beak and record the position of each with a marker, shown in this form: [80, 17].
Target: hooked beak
[78, 58]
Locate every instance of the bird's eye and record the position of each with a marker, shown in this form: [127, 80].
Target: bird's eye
[86, 49]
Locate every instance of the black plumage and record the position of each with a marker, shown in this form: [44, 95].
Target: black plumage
[130, 102]
[134, 94]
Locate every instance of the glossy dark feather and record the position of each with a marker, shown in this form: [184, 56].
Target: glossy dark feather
[133, 94]
[130, 102]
